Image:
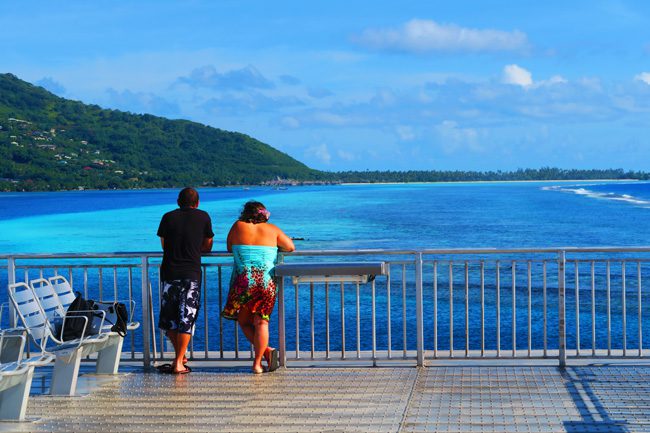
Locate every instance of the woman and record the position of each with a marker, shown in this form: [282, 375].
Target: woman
[255, 244]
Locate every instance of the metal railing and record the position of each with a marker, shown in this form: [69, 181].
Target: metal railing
[553, 303]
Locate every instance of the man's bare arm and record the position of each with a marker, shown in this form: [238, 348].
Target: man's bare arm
[207, 245]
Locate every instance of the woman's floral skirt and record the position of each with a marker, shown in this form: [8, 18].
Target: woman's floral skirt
[251, 288]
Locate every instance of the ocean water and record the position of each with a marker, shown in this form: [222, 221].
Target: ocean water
[396, 216]
[344, 216]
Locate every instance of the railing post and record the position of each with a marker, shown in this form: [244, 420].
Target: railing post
[146, 313]
[11, 279]
[419, 314]
[561, 314]
[281, 319]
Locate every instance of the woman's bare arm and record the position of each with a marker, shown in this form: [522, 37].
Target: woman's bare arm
[230, 237]
[284, 242]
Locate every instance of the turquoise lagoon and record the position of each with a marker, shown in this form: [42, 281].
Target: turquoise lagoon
[341, 217]
[404, 216]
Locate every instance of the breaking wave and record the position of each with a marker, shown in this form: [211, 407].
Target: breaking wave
[581, 190]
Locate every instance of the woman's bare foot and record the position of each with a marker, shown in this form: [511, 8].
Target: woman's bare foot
[179, 369]
[258, 369]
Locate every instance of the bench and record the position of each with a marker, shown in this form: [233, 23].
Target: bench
[67, 354]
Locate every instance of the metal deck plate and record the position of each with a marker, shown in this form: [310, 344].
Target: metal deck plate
[442, 399]
[530, 399]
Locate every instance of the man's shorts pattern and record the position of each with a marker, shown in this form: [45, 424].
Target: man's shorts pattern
[179, 305]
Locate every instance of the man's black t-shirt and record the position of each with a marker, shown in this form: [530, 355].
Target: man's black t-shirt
[183, 230]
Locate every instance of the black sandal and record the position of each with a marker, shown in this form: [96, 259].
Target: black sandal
[164, 368]
[275, 360]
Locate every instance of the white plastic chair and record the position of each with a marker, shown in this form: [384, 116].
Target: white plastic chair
[66, 295]
[49, 300]
[63, 290]
[15, 382]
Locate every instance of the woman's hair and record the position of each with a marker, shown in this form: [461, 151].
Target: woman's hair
[254, 212]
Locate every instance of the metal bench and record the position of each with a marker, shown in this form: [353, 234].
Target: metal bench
[68, 354]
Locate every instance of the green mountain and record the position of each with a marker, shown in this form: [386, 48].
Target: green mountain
[51, 143]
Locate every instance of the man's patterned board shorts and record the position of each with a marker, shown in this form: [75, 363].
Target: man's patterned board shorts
[179, 305]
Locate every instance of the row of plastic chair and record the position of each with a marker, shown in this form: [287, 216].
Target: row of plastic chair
[56, 294]
[41, 305]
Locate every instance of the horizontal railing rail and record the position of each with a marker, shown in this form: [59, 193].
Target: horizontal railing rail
[432, 304]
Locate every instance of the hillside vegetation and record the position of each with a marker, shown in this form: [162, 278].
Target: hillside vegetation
[51, 143]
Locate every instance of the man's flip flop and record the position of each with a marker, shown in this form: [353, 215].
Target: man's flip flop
[164, 368]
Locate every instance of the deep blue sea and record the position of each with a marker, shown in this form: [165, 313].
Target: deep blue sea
[395, 216]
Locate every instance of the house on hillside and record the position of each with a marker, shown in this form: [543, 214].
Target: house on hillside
[11, 119]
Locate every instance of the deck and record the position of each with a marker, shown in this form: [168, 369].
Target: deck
[450, 397]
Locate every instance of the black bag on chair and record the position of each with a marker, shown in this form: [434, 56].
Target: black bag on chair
[78, 316]
[116, 316]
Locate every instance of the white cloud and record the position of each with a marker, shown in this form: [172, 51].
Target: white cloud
[346, 156]
[140, 102]
[518, 76]
[290, 122]
[330, 119]
[513, 74]
[289, 80]
[455, 137]
[591, 83]
[243, 103]
[555, 79]
[48, 83]
[421, 36]
[235, 79]
[643, 76]
[405, 133]
[320, 152]
[339, 56]
[318, 93]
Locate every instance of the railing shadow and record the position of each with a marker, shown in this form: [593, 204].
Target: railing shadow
[607, 399]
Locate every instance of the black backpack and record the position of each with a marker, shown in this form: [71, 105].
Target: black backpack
[79, 309]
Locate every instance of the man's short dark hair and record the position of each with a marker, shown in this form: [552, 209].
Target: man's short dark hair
[188, 197]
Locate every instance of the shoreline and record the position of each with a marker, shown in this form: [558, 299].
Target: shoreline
[244, 186]
[492, 181]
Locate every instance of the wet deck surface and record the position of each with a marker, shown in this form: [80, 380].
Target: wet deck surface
[611, 398]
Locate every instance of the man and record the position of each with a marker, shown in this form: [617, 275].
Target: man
[184, 234]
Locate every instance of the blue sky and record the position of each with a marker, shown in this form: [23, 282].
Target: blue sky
[339, 85]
